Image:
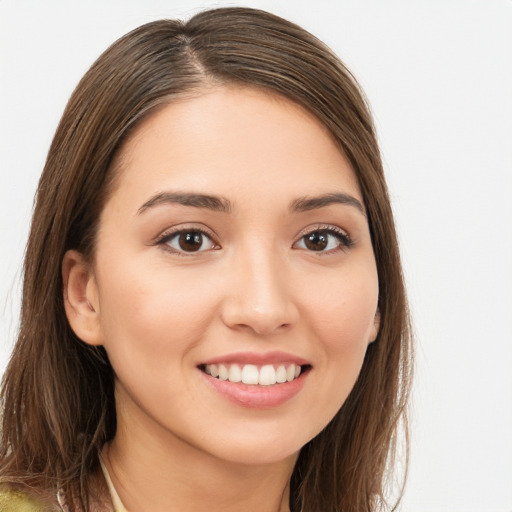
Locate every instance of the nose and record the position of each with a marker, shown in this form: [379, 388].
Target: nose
[260, 297]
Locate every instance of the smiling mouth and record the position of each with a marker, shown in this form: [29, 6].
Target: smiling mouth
[251, 374]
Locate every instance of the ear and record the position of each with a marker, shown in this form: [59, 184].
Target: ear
[81, 298]
[374, 332]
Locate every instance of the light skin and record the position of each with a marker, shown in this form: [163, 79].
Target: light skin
[278, 258]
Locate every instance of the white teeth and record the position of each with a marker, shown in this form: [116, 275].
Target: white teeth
[223, 372]
[267, 375]
[281, 374]
[235, 373]
[250, 374]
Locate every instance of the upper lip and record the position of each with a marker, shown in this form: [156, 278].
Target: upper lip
[257, 358]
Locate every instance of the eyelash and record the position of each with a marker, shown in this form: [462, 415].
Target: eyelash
[167, 236]
[344, 240]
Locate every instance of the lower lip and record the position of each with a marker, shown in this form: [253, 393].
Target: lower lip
[254, 396]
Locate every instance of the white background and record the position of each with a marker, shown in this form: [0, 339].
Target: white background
[439, 78]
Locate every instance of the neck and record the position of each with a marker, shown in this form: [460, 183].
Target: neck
[156, 471]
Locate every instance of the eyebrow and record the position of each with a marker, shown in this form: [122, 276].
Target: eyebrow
[214, 203]
[304, 204]
[224, 205]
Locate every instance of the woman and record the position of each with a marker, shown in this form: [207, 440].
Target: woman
[213, 309]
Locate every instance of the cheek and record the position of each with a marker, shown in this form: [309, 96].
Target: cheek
[344, 335]
[341, 315]
[149, 315]
[342, 310]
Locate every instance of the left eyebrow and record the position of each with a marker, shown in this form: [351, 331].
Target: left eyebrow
[304, 204]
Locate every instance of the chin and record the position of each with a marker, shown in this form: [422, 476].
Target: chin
[260, 450]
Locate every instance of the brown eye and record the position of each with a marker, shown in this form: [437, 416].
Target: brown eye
[324, 240]
[189, 241]
[316, 241]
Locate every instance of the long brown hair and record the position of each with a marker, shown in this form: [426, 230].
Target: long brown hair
[58, 392]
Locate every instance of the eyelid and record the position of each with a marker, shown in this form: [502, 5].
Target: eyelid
[171, 232]
[346, 240]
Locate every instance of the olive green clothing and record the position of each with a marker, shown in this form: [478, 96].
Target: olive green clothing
[12, 500]
[17, 501]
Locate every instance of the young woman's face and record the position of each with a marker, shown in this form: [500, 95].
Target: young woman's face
[234, 246]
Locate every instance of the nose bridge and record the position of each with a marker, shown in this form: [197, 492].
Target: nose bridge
[260, 297]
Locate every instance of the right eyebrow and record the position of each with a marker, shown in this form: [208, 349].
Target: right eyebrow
[215, 203]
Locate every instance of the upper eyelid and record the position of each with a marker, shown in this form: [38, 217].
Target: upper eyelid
[175, 230]
[162, 241]
[322, 227]
[345, 239]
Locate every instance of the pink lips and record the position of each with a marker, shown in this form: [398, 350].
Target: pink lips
[257, 396]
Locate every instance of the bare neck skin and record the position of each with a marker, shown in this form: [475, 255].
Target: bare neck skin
[152, 471]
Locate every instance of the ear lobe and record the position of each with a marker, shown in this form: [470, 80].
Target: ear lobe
[375, 328]
[81, 298]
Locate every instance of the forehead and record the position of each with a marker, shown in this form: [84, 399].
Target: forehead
[228, 139]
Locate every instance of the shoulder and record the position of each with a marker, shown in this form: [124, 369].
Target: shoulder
[13, 500]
